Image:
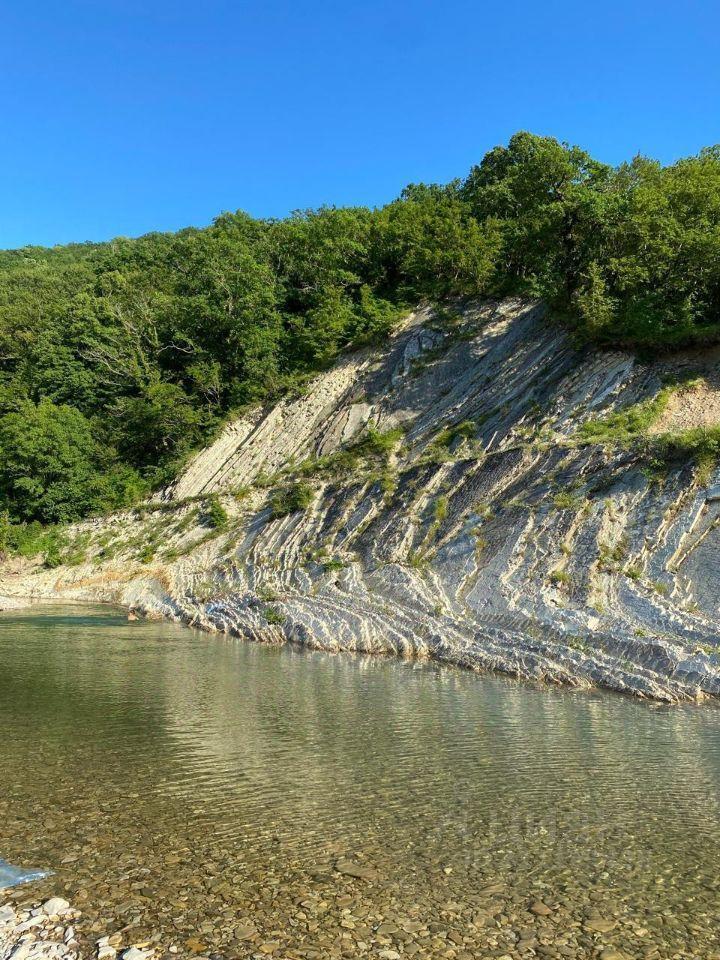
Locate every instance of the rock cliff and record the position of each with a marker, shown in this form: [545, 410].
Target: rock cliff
[440, 498]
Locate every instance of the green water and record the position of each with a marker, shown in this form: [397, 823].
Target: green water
[185, 784]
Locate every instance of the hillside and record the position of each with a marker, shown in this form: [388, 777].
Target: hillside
[481, 490]
[119, 360]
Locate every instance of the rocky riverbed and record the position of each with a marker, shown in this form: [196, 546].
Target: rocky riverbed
[49, 930]
[219, 798]
[353, 912]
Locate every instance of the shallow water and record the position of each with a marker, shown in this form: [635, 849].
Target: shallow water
[198, 787]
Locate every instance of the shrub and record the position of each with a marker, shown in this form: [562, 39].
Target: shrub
[376, 444]
[291, 498]
[274, 616]
[147, 553]
[568, 501]
[701, 445]
[31, 539]
[216, 514]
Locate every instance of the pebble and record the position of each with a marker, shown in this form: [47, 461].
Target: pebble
[55, 907]
[540, 909]
[600, 925]
[245, 932]
[33, 933]
[357, 870]
[194, 945]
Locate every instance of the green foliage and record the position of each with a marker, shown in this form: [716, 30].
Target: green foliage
[291, 498]
[465, 430]
[629, 423]
[434, 246]
[439, 450]
[26, 539]
[560, 577]
[372, 450]
[267, 594]
[117, 359]
[76, 551]
[216, 516]
[417, 560]
[33, 540]
[700, 445]
[274, 616]
[440, 509]
[610, 557]
[567, 500]
[51, 465]
[147, 553]
[377, 444]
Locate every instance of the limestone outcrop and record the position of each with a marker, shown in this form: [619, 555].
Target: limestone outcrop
[438, 498]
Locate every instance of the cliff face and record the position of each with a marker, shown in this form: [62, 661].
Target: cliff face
[472, 523]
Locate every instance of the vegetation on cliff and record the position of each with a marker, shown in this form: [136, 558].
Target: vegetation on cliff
[116, 359]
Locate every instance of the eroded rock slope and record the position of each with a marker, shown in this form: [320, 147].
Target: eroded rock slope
[450, 507]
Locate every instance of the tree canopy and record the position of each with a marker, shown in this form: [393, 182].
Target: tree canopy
[116, 359]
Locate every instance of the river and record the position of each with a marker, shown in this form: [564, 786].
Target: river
[202, 791]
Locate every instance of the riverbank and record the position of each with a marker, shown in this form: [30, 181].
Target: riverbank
[13, 603]
[34, 930]
[441, 499]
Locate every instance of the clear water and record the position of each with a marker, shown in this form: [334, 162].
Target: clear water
[188, 784]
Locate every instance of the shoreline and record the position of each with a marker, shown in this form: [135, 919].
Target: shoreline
[410, 654]
[47, 930]
[478, 528]
[12, 603]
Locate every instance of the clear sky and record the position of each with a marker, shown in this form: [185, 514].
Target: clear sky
[124, 116]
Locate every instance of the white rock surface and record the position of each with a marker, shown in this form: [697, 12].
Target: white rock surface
[509, 545]
[133, 953]
[55, 907]
[35, 934]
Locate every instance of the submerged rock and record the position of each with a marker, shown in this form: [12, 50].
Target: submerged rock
[360, 871]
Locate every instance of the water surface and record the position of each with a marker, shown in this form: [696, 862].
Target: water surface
[200, 788]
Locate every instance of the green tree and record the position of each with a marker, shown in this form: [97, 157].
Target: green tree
[157, 426]
[537, 188]
[117, 358]
[48, 463]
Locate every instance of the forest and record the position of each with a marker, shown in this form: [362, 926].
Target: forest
[118, 359]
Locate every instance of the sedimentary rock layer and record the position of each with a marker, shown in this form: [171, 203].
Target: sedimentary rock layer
[478, 528]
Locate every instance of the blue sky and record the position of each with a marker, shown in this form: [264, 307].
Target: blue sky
[121, 117]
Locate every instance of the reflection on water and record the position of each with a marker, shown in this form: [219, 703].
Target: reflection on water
[151, 766]
[11, 876]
